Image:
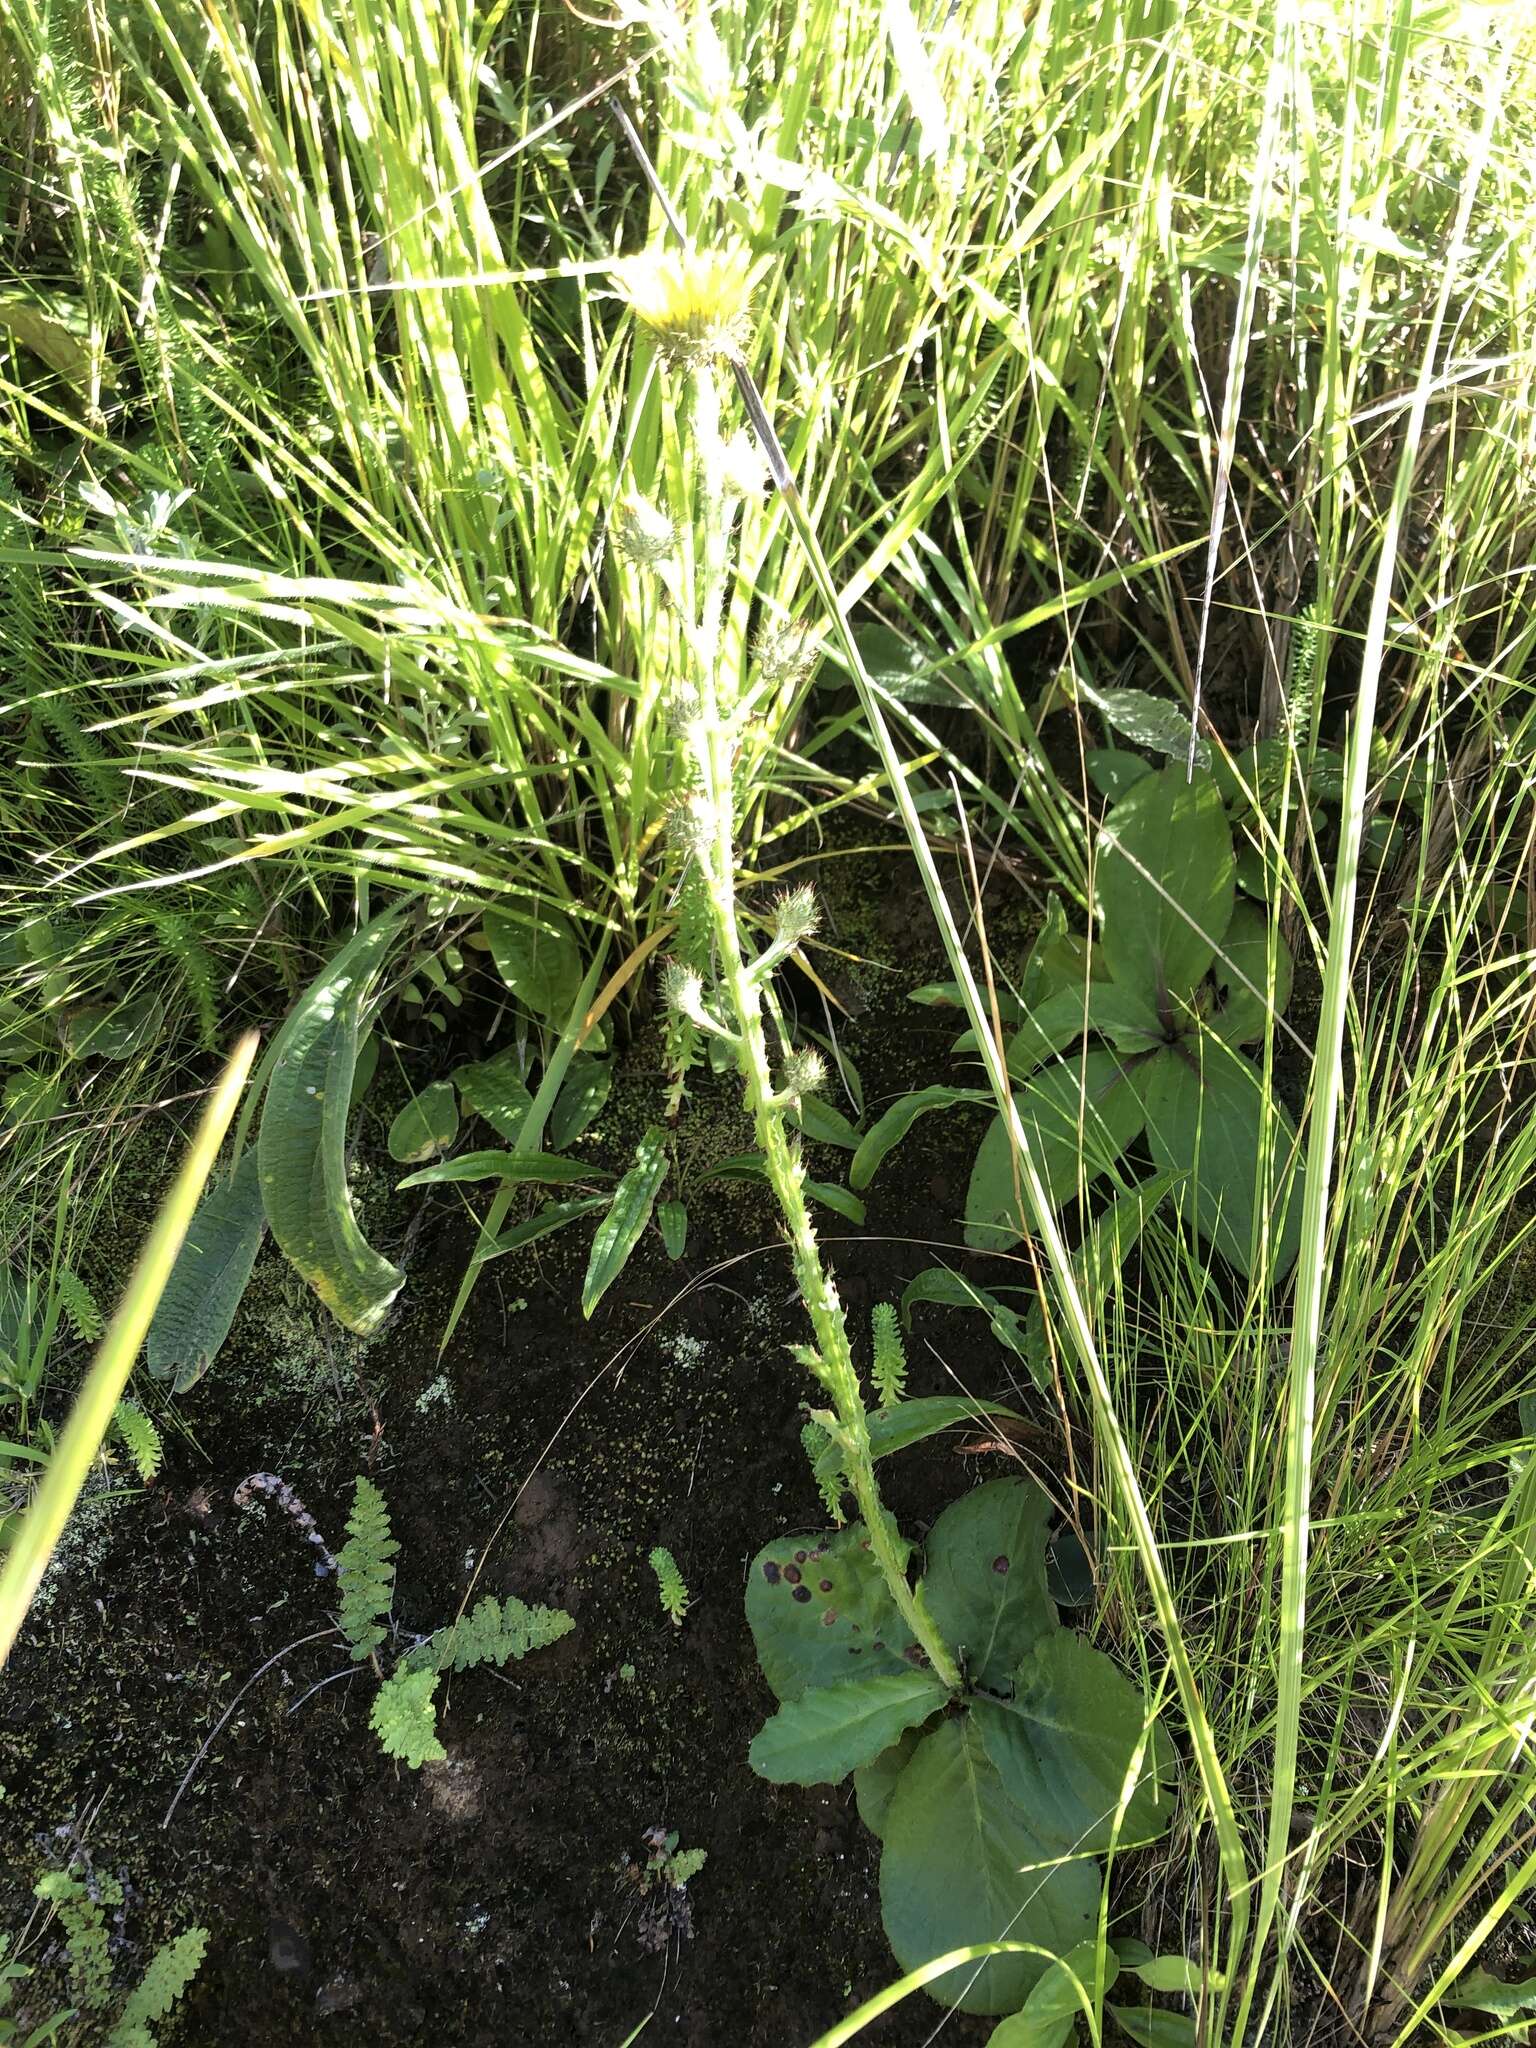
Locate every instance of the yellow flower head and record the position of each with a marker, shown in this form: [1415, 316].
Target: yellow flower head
[694, 301]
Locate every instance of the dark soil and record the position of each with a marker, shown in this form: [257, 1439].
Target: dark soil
[490, 1899]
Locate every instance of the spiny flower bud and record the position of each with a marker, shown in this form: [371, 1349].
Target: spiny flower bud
[642, 531]
[795, 915]
[694, 301]
[743, 472]
[805, 1072]
[682, 990]
[785, 655]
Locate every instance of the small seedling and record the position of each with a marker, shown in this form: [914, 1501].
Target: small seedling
[675, 1597]
[662, 1881]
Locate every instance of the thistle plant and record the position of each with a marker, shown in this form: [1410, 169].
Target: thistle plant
[694, 307]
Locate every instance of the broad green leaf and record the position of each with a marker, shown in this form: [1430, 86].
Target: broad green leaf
[1069, 1575]
[427, 1125]
[1242, 975]
[1064, 1743]
[901, 670]
[913, 1422]
[952, 1290]
[1058, 958]
[1150, 2027]
[543, 1169]
[1482, 1992]
[208, 1279]
[538, 958]
[1205, 1123]
[1104, 1008]
[1146, 721]
[367, 1066]
[552, 1216]
[1112, 771]
[794, 1585]
[301, 1148]
[1171, 1973]
[962, 1865]
[984, 1579]
[874, 1784]
[1048, 2017]
[58, 333]
[1165, 884]
[495, 1089]
[111, 1031]
[829, 1730]
[673, 1219]
[1080, 1113]
[621, 1229]
[894, 1125]
[580, 1102]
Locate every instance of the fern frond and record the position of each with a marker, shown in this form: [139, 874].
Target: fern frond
[139, 1438]
[684, 1865]
[675, 1597]
[85, 1933]
[366, 1571]
[890, 1369]
[165, 1981]
[405, 1720]
[79, 1304]
[492, 1632]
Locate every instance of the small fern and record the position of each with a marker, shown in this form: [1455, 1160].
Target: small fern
[492, 1632]
[79, 1304]
[405, 1720]
[366, 1570]
[890, 1368]
[170, 1971]
[675, 1597]
[139, 1437]
[684, 1865]
[85, 1932]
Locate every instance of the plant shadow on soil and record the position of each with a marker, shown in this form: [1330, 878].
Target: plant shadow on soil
[484, 1900]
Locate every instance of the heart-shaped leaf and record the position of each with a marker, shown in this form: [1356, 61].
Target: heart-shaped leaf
[1206, 1118]
[830, 1730]
[984, 1580]
[1064, 1745]
[580, 1102]
[538, 959]
[1048, 2017]
[1165, 882]
[821, 1612]
[427, 1125]
[1079, 1116]
[961, 1865]
[496, 1090]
